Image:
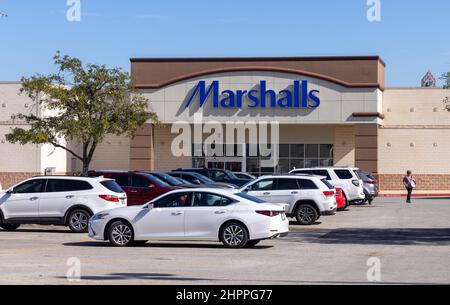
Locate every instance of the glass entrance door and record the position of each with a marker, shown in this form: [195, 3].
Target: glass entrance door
[232, 164]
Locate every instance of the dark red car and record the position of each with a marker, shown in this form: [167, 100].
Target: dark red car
[139, 187]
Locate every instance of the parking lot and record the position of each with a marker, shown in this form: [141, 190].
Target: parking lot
[411, 241]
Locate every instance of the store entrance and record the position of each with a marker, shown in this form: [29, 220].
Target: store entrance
[232, 164]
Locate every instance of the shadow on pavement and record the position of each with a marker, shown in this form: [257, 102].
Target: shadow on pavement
[391, 236]
[137, 276]
[160, 245]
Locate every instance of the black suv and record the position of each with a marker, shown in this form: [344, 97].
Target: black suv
[218, 175]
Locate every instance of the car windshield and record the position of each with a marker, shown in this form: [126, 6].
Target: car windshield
[230, 174]
[251, 198]
[203, 179]
[168, 178]
[157, 180]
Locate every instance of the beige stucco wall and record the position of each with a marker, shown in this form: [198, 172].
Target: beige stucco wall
[415, 133]
[112, 153]
[344, 146]
[164, 159]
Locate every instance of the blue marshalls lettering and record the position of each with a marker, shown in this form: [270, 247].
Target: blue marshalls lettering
[299, 97]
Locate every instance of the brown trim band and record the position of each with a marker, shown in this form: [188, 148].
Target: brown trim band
[231, 59]
[368, 114]
[259, 68]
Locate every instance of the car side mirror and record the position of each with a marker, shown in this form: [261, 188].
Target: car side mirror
[11, 191]
[151, 187]
[196, 181]
[247, 189]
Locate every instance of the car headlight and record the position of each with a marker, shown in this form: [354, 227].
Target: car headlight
[100, 216]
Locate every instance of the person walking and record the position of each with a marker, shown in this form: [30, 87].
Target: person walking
[410, 184]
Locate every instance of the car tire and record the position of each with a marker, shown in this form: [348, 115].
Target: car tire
[9, 227]
[120, 234]
[306, 214]
[252, 243]
[234, 235]
[78, 220]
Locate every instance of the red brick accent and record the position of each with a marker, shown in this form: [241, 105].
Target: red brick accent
[394, 182]
[9, 179]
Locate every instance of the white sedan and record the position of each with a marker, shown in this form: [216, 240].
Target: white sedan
[235, 219]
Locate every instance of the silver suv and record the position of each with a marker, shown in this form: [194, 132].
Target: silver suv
[306, 197]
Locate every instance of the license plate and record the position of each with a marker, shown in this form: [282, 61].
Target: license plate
[283, 216]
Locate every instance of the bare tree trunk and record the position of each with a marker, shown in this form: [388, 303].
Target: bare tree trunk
[84, 172]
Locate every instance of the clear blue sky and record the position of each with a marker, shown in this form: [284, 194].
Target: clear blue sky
[412, 37]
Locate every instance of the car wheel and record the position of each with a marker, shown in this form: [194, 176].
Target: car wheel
[10, 227]
[234, 235]
[306, 214]
[252, 243]
[120, 234]
[78, 221]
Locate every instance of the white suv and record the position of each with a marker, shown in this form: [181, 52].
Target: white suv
[307, 197]
[343, 177]
[58, 200]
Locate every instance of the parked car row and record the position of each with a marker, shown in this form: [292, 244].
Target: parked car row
[207, 204]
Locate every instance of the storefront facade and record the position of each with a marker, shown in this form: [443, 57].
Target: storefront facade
[329, 111]
[319, 103]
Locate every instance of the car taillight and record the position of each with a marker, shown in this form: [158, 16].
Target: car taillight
[269, 213]
[328, 193]
[371, 182]
[109, 198]
[355, 182]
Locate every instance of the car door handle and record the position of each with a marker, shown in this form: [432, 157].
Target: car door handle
[266, 193]
[294, 193]
[177, 213]
[34, 198]
[133, 191]
[220, 212]
[69, 196]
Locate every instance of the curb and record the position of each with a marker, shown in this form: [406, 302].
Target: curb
[416, 195]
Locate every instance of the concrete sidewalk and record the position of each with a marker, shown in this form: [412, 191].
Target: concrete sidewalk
[416, 193]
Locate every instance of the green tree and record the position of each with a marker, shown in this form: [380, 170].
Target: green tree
[86, 102]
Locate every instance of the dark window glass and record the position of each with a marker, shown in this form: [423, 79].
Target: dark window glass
[283, 166]
[328, 184]
[312, 150]
[30, 187]
[343, 173]
[218, 175]
[140, 181]
[251, 198]
[112, 186]
[122, 180]
[297, 151]
[189, 178]
[287, 184]
[297, 163]
[263, 185]
[210, 200]
[174, 200]
[321, 172]
[311, 162]
[306, 184]
[326, 151]
[284, 150]
[60, 185]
